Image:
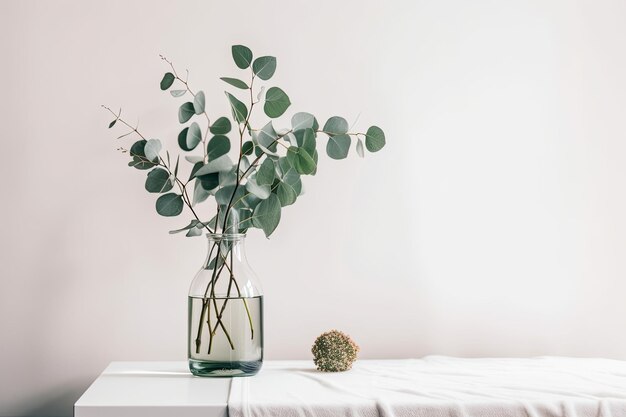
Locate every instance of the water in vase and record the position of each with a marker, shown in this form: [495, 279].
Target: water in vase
[234, 344]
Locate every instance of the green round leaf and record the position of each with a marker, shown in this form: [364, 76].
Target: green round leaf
[221, 126]
[210, 181]
[264, 67]
[158, 181]
[194, 136]
[288, 175]
[199, 193]
[194, 159]
[261, 191]
[242, 55]
[244, 165]
[196, 231]
[336, 126]
[235, 82]
[245, 219]
[283, 167]
[195, 168]
[257, 149]
[228, 177]
[247, 148]
[306, 139]
[182, 139]
[178, 93]
[286, 194]
[185, 112]
[266, 172]
[191, 225]
[240, 111]
[338, 146]
[169, 205]
[374, 139]
[198, 102]
[167, 81]
[276, 102]
[301, 160]
[140, 163]
[303, 120]
[151, 150]
[221, 164]
[267, 214]
[137, 149]
[218, 145]
[266, 138]
[224, 195]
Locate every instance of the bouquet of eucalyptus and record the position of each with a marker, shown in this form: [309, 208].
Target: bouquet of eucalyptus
[265, 175]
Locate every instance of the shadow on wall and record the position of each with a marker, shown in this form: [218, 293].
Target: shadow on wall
[57, 402]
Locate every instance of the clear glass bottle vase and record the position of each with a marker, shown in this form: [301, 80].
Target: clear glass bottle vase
[225, 323]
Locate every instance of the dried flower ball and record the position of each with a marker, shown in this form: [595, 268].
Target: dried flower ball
[334, 351]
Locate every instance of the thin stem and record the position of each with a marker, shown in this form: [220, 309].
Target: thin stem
[205, 305]
[184, 195]
[208, 322]
[134, 129]
[253, 163]
[199, 335]
[234, 281]
[241, 130]
[219, 316]
[245, 304]
[347, 133]
[186, 83]
[221, 313]
[219, 323]
[162, 163]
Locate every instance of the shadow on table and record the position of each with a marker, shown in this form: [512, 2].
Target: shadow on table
[150, 374]
[306, 370]
[183, 374]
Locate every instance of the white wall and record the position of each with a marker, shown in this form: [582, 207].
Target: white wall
[492, 223]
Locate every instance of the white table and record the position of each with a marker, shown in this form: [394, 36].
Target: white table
[153, 389]
[432, 386]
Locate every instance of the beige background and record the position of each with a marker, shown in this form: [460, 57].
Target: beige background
[491, 225]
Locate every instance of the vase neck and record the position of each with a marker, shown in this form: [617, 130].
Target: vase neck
[225, 247]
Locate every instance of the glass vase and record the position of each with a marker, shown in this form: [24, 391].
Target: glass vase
[225, 322]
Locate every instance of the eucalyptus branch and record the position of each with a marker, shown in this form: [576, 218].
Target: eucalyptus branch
[118, 118]
[241, 130]
[213, 298]
[183, 191]
[219, 316]
[220, 324]
[258, 158]
[276, 184]
[206, 306]
[347, 133]
[245, 304]
[237, 170]
[208, 120]
[161, 163]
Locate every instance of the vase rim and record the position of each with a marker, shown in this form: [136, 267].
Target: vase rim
[226, 236]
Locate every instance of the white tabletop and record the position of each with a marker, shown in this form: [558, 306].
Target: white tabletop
[154, 389]
[431, 386]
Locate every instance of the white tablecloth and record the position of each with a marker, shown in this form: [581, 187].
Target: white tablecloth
[435, 387]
